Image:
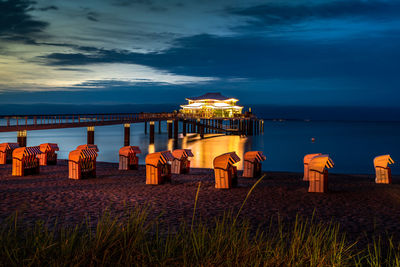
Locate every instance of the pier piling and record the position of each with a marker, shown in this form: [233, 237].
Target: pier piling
[21, 138]
[127, 134]
[176, 129]
[90, 135]
[169, 128]
[152, 132]
[184, 128]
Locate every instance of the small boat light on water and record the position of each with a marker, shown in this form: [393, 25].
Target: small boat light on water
[312, 139]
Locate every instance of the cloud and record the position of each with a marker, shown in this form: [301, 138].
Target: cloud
[93, 16]
[253, 58]
[15, 20]
[283, 13]
[52, 7]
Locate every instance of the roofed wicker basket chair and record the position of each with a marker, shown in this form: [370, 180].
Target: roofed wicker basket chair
[318, 173]
[25, 161]
[82, 163]
[6, 150]
[382, 170]
[49, 155]
[252, 164]
[128, 159]
[158, 168]
[224, 170]
[181, 162]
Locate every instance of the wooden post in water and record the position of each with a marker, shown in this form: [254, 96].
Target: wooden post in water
[152, 132]
[145, 127]
[176, 129]
[90, 135]
[127, 134]
[201, 130]
[159, 126]
[21, 138]
[262, 126]
[184, 128]
[169, 128]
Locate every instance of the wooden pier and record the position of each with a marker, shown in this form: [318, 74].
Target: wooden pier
[244, 125]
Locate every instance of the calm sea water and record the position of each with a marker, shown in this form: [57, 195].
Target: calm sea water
[351, 145]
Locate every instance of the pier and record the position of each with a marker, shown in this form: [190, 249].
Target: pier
[244, 125]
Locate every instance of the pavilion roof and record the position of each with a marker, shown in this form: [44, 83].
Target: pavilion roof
[214, 96]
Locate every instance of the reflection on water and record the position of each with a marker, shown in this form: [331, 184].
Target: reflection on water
[206, 150]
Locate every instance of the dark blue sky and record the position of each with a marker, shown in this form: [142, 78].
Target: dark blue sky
[311, 53]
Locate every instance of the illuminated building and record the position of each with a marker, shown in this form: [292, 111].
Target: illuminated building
[212, 105]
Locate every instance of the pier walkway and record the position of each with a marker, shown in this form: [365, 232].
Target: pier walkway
[248, 125]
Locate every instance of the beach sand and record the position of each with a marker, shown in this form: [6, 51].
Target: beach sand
[362, 207]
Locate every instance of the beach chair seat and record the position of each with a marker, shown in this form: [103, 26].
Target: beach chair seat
[382, 170]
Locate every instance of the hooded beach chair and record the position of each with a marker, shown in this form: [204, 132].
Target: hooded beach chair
[49, 155]
[181, 162]
[25, 161]
[252, 164]
[6, 150]
[383, 172]
[128, 159]
[318, 173]
[224, 170]
[82, 164]
[158, 169]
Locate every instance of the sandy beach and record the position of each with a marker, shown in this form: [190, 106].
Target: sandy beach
[355, 201]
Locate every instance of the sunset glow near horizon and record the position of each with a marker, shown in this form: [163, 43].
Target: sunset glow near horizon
[307, 52]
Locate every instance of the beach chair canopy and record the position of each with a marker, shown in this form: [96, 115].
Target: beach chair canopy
[308, 157]
[87, 146]
[182, 153]
[22, 152]
[319, 163]
[159, 157]
[48, 147]
[223, 161]
[126, 150]
[7, 146]
[76, 155]
[383, 161]
[254, 156]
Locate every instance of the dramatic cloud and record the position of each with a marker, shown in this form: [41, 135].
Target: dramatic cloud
[283, 12]
[15, 19]
[281, 50]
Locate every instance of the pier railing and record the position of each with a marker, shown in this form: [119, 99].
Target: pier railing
[39, 122]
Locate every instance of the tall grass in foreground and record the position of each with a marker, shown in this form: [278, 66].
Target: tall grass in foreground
[138, 241]
[135, 240]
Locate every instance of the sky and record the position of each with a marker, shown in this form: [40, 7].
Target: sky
[273, 52]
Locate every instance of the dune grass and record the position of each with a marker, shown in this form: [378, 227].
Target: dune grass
[135, 240]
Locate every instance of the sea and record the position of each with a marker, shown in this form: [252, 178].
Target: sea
[352, 142]
[351, 145]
